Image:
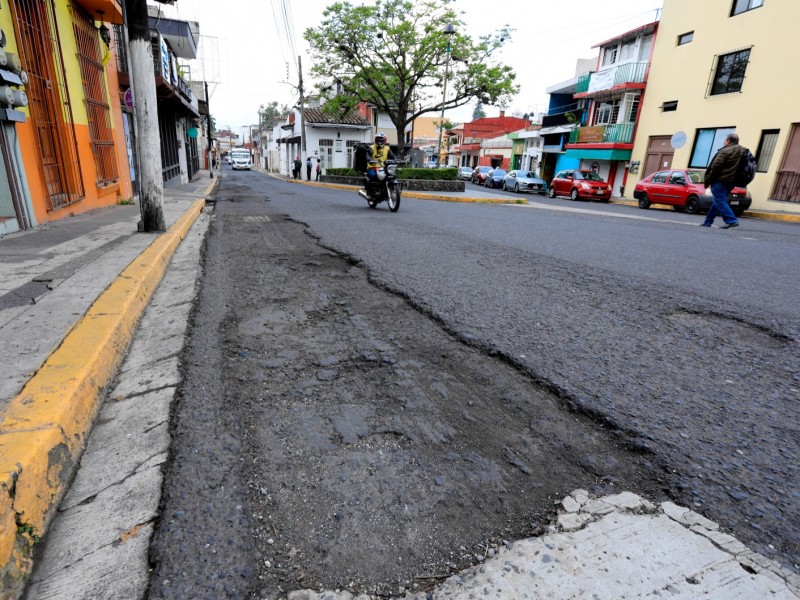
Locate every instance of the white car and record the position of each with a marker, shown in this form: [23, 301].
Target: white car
[240, 159]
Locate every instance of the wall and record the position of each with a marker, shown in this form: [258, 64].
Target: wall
[767, 97]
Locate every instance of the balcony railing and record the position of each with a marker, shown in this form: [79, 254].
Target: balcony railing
[617, 133]
[609, 78]
[583, 83]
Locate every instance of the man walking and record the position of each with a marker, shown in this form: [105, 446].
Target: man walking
[720, 176]
[297, 167]
[319, 170]
[308, 168]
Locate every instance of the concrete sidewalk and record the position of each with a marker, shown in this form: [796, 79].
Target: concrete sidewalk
[605, 548]
[72, 294]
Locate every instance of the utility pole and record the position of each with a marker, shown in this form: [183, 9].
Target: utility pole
[302, 110]
[209, 137]
[144, 84]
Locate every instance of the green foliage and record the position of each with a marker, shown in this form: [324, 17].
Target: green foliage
[429, 174]
[270, 111]
[126, 201]
[396, 56]
[28, 530]
[343, 172]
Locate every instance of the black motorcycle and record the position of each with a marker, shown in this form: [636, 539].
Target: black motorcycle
[381, 185]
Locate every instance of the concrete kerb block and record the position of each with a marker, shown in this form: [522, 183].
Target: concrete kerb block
[43, 430]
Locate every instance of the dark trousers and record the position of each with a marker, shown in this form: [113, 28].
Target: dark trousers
[308, 173]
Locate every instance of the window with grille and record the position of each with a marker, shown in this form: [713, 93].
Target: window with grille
[606, 112]
[729, 74]
[766, 148]
[93, 76]
[326, 153]
[351, 144]
[49, 103]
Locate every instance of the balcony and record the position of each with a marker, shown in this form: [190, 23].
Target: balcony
[622, 75]
[617, 133]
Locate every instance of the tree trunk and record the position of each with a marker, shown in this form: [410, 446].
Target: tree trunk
[149, 142]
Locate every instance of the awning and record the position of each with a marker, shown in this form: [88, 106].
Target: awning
[615, 154]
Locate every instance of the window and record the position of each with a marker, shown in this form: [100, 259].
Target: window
[93, 76]
[609, 56]
[685, 38]
[351, 144]
[729, 75]
[626, 52]
[677, 178]
[660, 177]
[706, 143]
[606, 112]
[740, 6]
[766, 148]
[326, 153]
[669, 106]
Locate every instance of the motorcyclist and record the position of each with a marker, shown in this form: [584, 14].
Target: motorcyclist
[379, 153]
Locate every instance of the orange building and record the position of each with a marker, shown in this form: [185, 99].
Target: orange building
[72, 141]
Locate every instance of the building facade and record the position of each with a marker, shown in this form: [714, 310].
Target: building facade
[603, 139]
[65, 151]
[720, 66]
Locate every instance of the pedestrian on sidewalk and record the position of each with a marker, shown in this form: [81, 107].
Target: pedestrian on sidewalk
[308, 168]
[720, 176]
[319, 170]
[297, 167]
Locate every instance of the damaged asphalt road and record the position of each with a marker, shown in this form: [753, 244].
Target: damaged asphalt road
[331, 433]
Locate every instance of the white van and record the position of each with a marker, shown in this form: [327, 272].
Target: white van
[240, 159]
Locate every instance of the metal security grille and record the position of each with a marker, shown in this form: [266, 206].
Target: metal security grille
[93, 75]
[48, 98]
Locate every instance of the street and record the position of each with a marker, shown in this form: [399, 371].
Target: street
[371, 400]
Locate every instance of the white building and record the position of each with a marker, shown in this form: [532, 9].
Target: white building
[331, 139]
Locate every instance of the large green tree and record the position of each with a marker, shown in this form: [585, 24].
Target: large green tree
[395, 55]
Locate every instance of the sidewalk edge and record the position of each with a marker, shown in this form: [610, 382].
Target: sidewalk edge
[43, 429]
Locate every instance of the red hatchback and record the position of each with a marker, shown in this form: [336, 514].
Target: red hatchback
[580, 184]
[684, 189]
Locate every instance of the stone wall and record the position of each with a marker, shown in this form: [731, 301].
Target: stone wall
[417, 185]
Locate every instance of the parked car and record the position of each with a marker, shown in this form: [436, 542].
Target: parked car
[684, 190]
[465, 173]
[580, 184]
[524, 181]
[494, 179]
[479, 174]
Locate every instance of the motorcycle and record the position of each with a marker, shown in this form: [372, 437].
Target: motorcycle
[381, 185]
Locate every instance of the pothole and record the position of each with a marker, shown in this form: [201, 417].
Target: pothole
[730, 329]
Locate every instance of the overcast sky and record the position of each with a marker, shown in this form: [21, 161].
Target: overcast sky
[245, 50]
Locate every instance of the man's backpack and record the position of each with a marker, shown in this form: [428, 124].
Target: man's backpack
[747, 169]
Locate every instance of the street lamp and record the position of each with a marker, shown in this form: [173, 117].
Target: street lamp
[449, 30]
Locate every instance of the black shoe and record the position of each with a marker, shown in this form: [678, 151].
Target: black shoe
[730, 225]
[705, 224]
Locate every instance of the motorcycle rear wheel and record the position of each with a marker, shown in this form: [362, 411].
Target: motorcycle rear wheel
[394, 199]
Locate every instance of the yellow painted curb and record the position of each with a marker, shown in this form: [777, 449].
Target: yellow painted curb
[43, 430]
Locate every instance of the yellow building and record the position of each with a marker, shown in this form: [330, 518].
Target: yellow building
[720, 66]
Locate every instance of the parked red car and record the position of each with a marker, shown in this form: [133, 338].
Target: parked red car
[580, 184]
[684, 190]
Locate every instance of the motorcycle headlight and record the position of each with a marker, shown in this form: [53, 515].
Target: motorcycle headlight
[391, 169]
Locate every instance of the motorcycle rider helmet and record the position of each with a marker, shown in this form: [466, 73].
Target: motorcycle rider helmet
[380, 140]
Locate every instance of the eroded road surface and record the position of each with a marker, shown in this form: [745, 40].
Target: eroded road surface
[330, 434]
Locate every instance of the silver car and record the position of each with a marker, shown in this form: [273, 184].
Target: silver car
[465, 173]
[524, 181]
